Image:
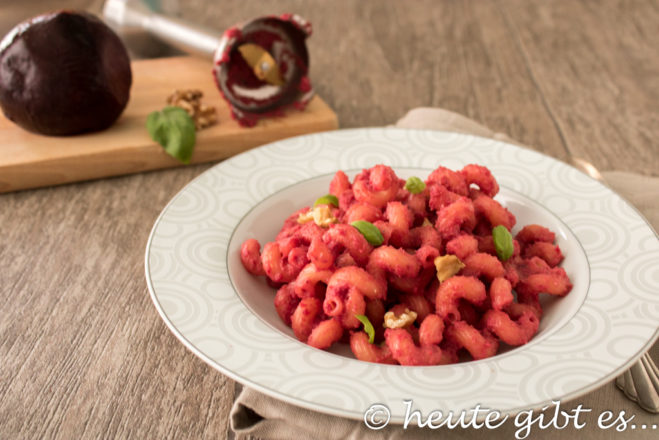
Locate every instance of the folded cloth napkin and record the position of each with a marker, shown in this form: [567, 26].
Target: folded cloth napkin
[255, 415]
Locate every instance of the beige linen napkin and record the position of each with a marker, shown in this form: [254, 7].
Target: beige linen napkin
[255, 415]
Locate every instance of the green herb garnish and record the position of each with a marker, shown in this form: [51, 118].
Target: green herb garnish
[415, 185]
[174, 129]
[503, 242]
[370, 232]
[327, 199]
[368, 327]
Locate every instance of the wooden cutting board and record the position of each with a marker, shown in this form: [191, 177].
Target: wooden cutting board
[29, 160]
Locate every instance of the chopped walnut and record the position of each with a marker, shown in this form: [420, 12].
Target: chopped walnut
[190, 101]
[447, 266]
[305, 217]
[403, 320]
[321, 215]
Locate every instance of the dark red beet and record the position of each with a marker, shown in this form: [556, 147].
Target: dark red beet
[63, 73]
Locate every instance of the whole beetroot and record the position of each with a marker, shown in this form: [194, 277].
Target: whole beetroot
[63, 73]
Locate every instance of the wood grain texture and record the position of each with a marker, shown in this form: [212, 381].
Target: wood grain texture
[567, 79]
[32, 160]
[596, 66]
[83, 353]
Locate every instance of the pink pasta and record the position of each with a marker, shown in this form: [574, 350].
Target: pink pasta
[406, 352]
[547, 251]
[492, 211]
[309, 280]
[325, 334]
[286, 301]
[424, 271]
[479, 344]
[462, 246]
[365, 351]
[501, 293]
[277, 265]
[510, 331]
[305, 316]
[480, 176]
[440, 196]
[452, 290]
[449, 179]
[480, 265]
[376, 186]
[251, 257]
[362, 211]
[533, 233]
[342, 237]
[457, 216]
[339, 184]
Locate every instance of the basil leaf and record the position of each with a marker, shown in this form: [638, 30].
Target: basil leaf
[327, 199]
[370, 232]
[503, 242]
[174, 129]
[415, 185]
[368, 327]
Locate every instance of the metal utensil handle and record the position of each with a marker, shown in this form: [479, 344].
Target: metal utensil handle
[641, 384]
[189, 37]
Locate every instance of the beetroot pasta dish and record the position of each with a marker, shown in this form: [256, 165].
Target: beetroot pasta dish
[410, 272]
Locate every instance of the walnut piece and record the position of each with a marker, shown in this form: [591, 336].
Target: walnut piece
[190, 101]
[321, 215]
[404, 319]
[447, 266]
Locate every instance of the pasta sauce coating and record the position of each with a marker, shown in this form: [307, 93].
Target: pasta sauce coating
[331, 275]
[376, 186]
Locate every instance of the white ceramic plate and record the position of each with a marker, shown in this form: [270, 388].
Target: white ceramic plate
[226, 317]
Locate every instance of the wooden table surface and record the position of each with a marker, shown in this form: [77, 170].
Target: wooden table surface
[83, 352]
